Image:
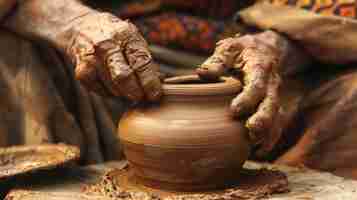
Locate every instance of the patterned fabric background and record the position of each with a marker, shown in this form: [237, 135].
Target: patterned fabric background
[211, 8]
[185, 31]
[344, 8]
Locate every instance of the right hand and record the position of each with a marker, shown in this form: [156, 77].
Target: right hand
[257, 59]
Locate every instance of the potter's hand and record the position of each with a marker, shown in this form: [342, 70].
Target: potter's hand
[257, 59]
[111, 57]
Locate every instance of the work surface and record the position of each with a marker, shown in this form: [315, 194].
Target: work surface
[304, 184]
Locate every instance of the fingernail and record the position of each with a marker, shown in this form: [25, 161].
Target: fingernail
[236, 108]
[205, 73]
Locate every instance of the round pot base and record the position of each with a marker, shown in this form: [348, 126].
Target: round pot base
[251, 184]
[211, 185]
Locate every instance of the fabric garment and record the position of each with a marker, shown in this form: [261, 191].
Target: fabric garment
[181, 31]
[320, 124]
[42, 103]
[343, 8]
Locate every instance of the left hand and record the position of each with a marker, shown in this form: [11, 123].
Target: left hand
[256, 58]
[111, 57]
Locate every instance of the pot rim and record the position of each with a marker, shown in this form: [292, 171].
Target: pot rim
[178, 86]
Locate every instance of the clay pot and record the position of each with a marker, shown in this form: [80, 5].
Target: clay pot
[190, 140]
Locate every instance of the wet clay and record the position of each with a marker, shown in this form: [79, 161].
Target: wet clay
[189, 138]
[252, 185]
[24, 159]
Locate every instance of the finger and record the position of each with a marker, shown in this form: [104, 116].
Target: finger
[274, 135]
[140, 60]
[256, 65]
[123, 78]
[82, 51]
[86, 73]
[150, 82]
[116, 74]
[223, 58]
[263, 120]
[253, 93]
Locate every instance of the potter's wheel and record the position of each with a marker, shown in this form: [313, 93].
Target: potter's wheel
[252, 184]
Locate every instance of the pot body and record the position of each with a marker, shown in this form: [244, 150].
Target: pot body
[188, 142]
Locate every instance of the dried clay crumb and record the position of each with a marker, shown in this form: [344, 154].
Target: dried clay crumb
[106, 187]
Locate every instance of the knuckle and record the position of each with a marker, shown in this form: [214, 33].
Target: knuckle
[81, 46]
[277, 79]
[225, 41]
[235, 106]
[107, 15]
[249, 40]
[228, 45]
[127, 28]
[132, 28]
[116, 73]
[258, 86]
[258, 122]
[240, 104]
[214, 59]
[269, 34]
[148, 81]
[124, 32]
[138, 56]
[106, 46]
[86, 63]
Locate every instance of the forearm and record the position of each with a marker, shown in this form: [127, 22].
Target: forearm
[46, 20]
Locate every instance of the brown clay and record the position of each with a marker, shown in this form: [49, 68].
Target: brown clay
[188, 142]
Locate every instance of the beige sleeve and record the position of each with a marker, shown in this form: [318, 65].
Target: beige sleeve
[6, 6]
[329, 39]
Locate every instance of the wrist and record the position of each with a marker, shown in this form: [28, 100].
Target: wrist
[293, 59]
[47, 20]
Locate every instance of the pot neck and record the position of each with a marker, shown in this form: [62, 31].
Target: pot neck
[192, 87]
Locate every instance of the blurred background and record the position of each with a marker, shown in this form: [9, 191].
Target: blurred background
[182, 34]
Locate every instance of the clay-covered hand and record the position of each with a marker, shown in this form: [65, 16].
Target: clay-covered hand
[111, 57]
[257, 59]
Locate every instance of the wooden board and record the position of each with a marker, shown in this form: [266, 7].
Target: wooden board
[19, 160]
